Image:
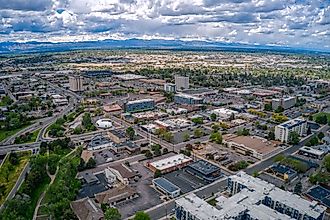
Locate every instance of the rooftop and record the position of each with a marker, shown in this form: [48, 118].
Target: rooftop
[170, 162]
[204, 167]
[166, 185]
[140, 101]
[87, 209]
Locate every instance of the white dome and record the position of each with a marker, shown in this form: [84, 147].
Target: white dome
[104, 123]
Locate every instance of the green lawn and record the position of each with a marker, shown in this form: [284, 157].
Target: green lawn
[5, 134]
[32, 138]
[9, 174]
[321, 114]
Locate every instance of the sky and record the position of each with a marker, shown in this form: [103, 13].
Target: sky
[295, 23]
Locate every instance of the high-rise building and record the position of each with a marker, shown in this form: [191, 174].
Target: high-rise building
[76, 83]
[283, 130]
[181, 82]
[285, 102]
[169, 87]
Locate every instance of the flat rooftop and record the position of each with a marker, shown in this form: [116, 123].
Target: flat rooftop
[140, 101]
[204, 167]
[170, 162]
[166, 185]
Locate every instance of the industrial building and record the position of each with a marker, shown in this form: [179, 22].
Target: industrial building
[76, 83]
[140, 105]
[181, 82]
[166, 187]
[251, 198]
[169, 87]
[186, 99]
[285, 102]
[170, 164]
[283, 130]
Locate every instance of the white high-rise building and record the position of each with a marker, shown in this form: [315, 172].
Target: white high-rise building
[76, 83]
[286, 102]
[283, 130]
[181, 82]
[169, 87]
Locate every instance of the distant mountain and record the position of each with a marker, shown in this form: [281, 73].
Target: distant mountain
[41, 47]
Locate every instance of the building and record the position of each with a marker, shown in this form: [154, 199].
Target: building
[186, 99]
[181, 82]
[173, 123]
[224, 113]
[320, 194]
[140, 105]
[253, 146]
[283, 172]
[76, 83]
[250, 198]
[166, 187]
[283, 130]
[104, 123]
[87, 209]
[285, 102]
[170, 164]
[169, 87]
[204, 170]
[123, 173]
[312, 152]
[99, 142]
[117, 136]
[116, 195]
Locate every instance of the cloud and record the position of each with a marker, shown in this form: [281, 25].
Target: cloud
[284, 22]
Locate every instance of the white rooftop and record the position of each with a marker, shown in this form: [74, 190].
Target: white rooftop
[170, 162]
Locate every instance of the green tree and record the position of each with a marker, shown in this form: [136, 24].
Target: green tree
[91, 163]
[157, 174]
[213, 117]
[141, 216]
[320, 135]
[186, 136]
[293, 137]
[198, 133]
[268, 107]
[321, 119]
[148, 154]
[216, 137]
[297, 188]
[130, 133]
[112, 214]
[326, 162]
[279, 109]
[271, 135]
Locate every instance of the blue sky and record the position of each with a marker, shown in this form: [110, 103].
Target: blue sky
[296, 23]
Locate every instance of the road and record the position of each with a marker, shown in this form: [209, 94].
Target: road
[290, 150]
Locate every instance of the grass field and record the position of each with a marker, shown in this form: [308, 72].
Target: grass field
[321, 114]
[9, 174]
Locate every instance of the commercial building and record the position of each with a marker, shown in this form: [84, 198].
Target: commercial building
[127, 77]
[116, 195]
[181, 82]
[312, 152]
[204, 170]
[87, 209]
[224, 113]
[99, 142]
[166, 187]
[140, 105]
[251, 198]
[253, 146]
[123, 173]
[76, 83]
[283, 172]
[320, 194]
[283, 130]
[169, 87]
[170, 164]
[173, 123]
[284, 102]
[186, 99]
[104, 123]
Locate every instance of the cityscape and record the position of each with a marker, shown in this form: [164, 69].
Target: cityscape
[164, 110]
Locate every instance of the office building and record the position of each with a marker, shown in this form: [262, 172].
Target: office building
[76, 83]
[140, 105]
[251, 198]
[285, 102]
[186, 99]
[166, 187]
[169, 87]
[313, 152]
[181, 82]
[283, 130]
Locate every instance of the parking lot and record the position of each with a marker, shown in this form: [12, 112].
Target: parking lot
[148, 196]
[185, 181]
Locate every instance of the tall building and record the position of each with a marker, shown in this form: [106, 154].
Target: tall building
[187, 99]
[251, 198]
[181, 82]
[169, 87]
[76, 83]
[140, 105]
[283, 130]
[285, 102]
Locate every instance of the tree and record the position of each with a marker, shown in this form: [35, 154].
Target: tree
[293, 137]
[112, 214]
[168, 136]
[216, 137]
[148, 154]
[165, 151]
[130, 133]
[186, 136]
[320, 135]
[213, 117]
[13, 158]
[198, 120]
[141, 216]
[321, 119]
[91, 163]
[271, 135]
[157, 174]
[243, 132]
[198, 133]
[326, 162]
[268, 107]
[279, 109]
